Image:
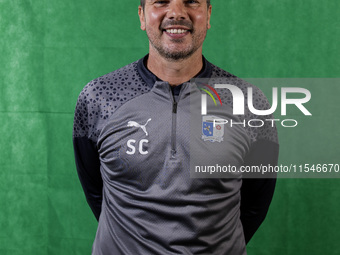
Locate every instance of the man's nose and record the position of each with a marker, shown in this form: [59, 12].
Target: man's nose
[177, 10]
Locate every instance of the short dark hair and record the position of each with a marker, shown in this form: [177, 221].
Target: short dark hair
[142, 3]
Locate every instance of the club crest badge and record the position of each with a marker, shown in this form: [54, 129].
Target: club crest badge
[209, 131]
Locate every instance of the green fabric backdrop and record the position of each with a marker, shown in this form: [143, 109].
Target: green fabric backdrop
[50, 49]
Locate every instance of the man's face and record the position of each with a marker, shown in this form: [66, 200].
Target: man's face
[175, 28]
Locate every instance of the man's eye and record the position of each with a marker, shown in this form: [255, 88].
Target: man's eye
[191, 2]
[161, 2]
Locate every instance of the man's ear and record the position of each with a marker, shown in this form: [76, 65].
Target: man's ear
[141, 17]
[209, 15]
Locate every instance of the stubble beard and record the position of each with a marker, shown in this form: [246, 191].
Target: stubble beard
[173, 54]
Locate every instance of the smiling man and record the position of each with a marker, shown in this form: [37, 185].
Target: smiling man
[133, 153]
[176, 31]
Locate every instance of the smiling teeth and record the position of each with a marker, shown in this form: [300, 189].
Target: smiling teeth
[176, 31]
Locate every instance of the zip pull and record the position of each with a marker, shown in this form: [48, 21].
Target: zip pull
[174, 107]
[173, 154]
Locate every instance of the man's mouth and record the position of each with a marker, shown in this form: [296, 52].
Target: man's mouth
[177, 28]
[176, 31]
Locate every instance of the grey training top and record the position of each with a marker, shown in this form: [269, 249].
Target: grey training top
[145, 136]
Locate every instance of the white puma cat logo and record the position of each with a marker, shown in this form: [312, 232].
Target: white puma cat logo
[135, 124]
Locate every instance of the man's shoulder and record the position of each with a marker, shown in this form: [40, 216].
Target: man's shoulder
[117, 83]
[259, 102]
[124, 74]
[219, 75]
[217, 72]
[103, 95]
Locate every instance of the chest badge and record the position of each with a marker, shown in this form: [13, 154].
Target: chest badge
[212, 131]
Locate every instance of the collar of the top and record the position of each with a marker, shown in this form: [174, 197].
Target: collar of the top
[150, 79]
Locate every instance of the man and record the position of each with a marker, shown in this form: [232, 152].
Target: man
[132, 150]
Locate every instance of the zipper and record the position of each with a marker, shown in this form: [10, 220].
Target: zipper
[174, 122]
[173, 128]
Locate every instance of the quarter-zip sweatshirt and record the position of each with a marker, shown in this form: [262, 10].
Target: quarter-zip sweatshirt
[136, 140]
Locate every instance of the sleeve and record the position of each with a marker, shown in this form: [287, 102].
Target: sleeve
[257, 193]
[87, 158]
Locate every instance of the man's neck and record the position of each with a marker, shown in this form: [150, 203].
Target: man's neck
[175, 71]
